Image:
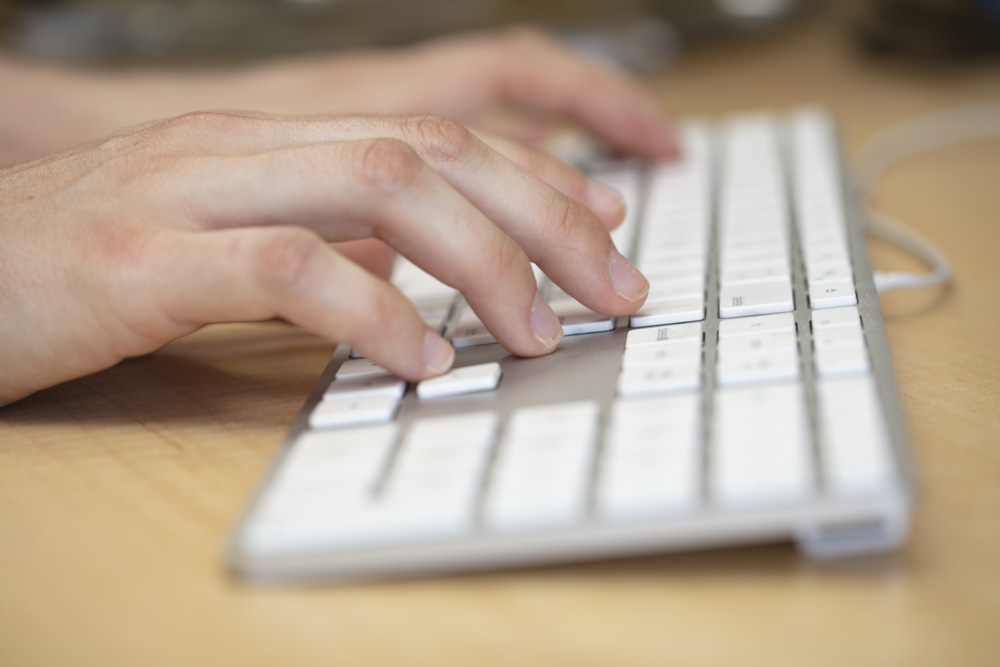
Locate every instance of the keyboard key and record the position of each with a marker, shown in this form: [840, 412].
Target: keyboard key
[855, 450]
[833, 362]
[770, 367]
[757, 344]
[366, 384]
[836, 317]
[663, 335]
[336, 412]
[464, 380]
[348, 459]
[355, 367]
[543, 468]
[838, 337]
[761, 449]
[442, 462]
[668, 311]
[827, 273]
[741, 274]
[577, 319]
[773, 296]
[657, 356]
[678, 377]
[832, 294]
[651, 461]
[470, 332]
[748, 326]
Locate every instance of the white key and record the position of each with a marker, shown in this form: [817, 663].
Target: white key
[540, 481]
[329, 497]
[575, 416]
[353, 411]
[833, 252]
[836, 317]
[663, 335]
[385, 525]
[747, 326]
[355, 367]
[366, 385]
[669, 311]
[470, 332]
[834, 362]
[761, 450]
[576, 318]
[348, 458]
[464, 380]
[827, 273]
[675, 289]
[767, 342]
[771, 367]
[442, 460]
[838, 337]
[832, 294]
[679, 377]
[754, 274]
[855, 450]
[651, 460]
[761, 298]
[656, 356]
[649, 483]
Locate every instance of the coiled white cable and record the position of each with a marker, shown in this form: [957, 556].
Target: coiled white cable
[970, 122]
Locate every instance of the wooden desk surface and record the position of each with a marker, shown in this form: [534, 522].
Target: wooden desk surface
[116, 491]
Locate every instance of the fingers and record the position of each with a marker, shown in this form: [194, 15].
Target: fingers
[382, 186]
[606, 202]
[525, 66]
[288, 272]
[455, 207]
[436, 196]
[244, 133]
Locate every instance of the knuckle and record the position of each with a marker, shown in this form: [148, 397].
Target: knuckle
[386, 164]
[443, 139]
[204, 120]
[504, 258]
[285, 257]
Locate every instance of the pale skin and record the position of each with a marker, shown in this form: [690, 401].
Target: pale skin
[116, 247]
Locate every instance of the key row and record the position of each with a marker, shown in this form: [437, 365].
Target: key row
[452, 476]
[751, 350]
[819, 211]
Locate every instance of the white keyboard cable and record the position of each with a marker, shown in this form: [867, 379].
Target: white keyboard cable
[979, 120]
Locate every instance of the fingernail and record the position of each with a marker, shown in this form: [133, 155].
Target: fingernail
[544, 323]
[604, 197]
[626, 280]
[438, 354]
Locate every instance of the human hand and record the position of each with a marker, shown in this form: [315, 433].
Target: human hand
[116, 248]
[455, 77]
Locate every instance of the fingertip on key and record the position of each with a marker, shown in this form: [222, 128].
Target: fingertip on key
[544, 324]
[439, 355]
[627, 281]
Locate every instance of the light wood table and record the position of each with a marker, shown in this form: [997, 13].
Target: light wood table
[117, 490]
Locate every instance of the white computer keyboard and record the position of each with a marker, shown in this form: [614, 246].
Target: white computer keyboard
[751, 398]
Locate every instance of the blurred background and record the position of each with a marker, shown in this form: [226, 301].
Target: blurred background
[639, 34]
